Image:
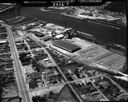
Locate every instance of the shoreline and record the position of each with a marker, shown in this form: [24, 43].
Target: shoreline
[98, 21]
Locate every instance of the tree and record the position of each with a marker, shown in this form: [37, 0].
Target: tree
[32, 84]
[34, 62]
[43, 99]
[33, 99]
[51, 95]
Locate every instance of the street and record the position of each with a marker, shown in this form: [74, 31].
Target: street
[17, 68]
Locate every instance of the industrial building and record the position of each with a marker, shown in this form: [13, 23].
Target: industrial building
[66, 46]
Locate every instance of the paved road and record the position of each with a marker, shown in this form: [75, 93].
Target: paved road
[17, 68]
[104, 33]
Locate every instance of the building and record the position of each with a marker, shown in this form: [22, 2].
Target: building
[66, 45]
[46, 38]
[38, 34]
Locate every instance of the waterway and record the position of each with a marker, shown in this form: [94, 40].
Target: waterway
[99, 30]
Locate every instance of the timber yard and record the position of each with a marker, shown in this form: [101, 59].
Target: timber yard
[44, 58]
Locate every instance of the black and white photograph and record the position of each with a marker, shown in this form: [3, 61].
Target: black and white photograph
[63, 51]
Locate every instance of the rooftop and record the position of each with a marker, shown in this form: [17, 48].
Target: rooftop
[66, 45]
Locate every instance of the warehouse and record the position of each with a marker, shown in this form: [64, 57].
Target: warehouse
[46, 38]
[66, 46]
[38, 34]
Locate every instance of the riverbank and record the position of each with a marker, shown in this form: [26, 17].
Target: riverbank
[105, 33]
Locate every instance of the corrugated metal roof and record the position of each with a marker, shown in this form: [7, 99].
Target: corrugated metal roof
[66, 45]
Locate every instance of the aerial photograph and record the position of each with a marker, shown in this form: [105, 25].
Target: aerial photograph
[63, 53]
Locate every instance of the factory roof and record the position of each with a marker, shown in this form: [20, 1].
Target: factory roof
[66, 45]
[38, 34]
